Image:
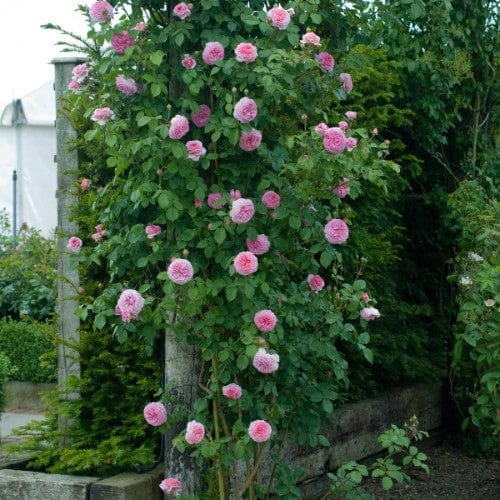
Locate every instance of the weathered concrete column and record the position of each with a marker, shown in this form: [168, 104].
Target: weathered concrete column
[68, 281]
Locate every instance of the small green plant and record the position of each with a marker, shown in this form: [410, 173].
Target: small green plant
[397, 442]
[4, 375]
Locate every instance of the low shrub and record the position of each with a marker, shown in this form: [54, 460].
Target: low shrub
[4, 375]
[29, 345]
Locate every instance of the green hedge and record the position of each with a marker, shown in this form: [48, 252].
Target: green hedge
[30, 348]
[4, 375]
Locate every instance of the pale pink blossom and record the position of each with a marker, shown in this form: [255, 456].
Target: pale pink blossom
[101, 12]
[321, 128]
[336, 231]
[155, 414]
[342, 190]
[374, 131]
[74, 244]
[180, 271]
[346, 80]
[212, 53]
[334, 140]
[102, 115]
[188, 62]
[245, 52]
[212, 201]
[242, 210]
[80, 72]
[249, 141]
[74, 86]
[365, 297]
[369, 313]
[234, 194]
[271, 199]
[232, 391]
[246, 263]
[265, 320]
[259, 431]
[197, 203]
[351, 143]
[179, 127]
[278, 17]
[126, 86]
[195, 150]
[120, 42]
[351, 115]
[129, 305]
[97, 236]
[343, 125]
[141, 26]
[182, 10]
[265, 362]
[195, 432]
[245, 110]
[171, 486]
[152, 231]
[315, 282]
[201, 118]
[326, 61]
[260, 245]
[310, 38]
[85, 184]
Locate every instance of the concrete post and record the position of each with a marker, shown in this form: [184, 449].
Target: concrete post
[68, 281]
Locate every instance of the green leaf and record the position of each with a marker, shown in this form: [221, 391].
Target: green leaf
[220, 235]
[156, 57]
[242, 362]
[387, 483]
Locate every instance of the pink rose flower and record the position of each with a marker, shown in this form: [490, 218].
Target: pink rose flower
[342, 190]
[278, 17]
[265, 362]
[351, 143]
[343, 125]
[195, 150]
[74, 244]
[245, 52]
[321, 128]
[141, 26]
[271, 199]
[97, 236]
[195, 432]
[365, 297]
[188, 62]
[336, 231]
[102, 115]
[212, 199]
[180, 271]
[152, 231]
[84, 185]
[259, 246]
[80, 72]
[265, 320]
[242, 210]
[201, 118]
[212, 53]
[101, 12]
[179, 127]
[126, 86]
[315, 282]
[326, 61]
[249, 141]
[235, 194]
[310, 38]
[351, 115]
[155, 414]
[120, 42]
[346, 80]
[334, 140]
[171, 486]
[245, 110]
[129, 305]
[182, 10]
[369, 313]
[232, 391]
[259, 431]
[74, 86]
[246, 263]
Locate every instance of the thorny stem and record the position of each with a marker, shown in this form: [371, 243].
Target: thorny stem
[215, 412]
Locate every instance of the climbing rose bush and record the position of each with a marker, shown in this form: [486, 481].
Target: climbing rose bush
[224, 214]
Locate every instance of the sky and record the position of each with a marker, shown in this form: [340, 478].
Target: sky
[26, 49]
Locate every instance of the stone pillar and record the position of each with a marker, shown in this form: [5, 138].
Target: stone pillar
[68, 281]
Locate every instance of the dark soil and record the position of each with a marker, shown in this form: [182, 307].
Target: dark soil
[453, 476]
